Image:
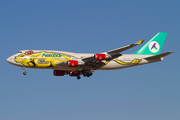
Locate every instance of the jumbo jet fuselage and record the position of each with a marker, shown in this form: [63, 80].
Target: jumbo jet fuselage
[41, 61]
[76, 64]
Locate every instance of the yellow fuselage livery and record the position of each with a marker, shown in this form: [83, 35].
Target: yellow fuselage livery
[42, 59]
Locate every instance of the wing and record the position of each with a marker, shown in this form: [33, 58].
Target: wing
[126, 47]
[95, 61]
[115, 52]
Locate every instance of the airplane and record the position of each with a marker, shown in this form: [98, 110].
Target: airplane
[76, 64]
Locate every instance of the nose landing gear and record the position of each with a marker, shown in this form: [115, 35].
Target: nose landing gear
[24, 72]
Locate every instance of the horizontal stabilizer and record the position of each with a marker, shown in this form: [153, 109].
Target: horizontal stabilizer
[159, 56]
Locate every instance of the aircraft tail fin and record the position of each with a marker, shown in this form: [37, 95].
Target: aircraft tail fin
[153, 46]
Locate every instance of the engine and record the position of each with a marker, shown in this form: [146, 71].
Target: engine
[59, 72]
[102, 57]
[74, 63]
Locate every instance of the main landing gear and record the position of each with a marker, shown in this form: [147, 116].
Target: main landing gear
[87, 73]
[24, 72]
[84, 72]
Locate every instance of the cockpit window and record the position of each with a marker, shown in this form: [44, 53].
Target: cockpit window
[19, 52]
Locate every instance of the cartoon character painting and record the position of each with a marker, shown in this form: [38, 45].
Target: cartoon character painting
[41, 59]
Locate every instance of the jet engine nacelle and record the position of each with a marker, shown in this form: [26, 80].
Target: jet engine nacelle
[74, 63]
[59, 72]
[102, 57]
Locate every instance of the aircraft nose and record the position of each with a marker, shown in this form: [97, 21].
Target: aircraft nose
[10, 60]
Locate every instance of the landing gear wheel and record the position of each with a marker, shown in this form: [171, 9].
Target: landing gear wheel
[24, 73]
[90, 73]
[86, 73]
[78, 77]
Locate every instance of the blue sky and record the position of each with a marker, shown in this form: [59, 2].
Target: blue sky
[147, 92]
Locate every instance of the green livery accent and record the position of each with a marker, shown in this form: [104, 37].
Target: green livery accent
[154, 46]
[51, 55]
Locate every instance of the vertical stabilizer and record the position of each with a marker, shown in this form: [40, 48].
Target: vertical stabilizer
[153, 46]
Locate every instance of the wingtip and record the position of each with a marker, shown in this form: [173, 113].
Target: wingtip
[140, 42]
[170, 52]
